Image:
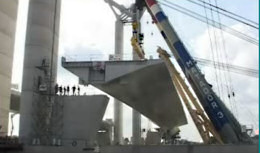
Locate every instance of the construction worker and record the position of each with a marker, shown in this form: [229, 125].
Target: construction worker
[73, 90]
[78, 90]
[68, 90]
[60, 89]
[65, 90]
[56, 89]
[43, 62]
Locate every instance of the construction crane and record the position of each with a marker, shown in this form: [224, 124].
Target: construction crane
[223, 121]
[203, 124]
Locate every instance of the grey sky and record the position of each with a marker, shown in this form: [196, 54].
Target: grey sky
[87, 32]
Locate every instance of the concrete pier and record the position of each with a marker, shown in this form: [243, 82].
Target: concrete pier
[118, 105]
[41, 50]
[78, 113]
[8, 16]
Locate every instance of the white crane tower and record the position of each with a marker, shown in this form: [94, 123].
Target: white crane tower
[124, 15]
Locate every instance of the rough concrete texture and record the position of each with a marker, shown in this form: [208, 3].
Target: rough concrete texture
[82, 117]
[143, 85]
[8, 16]
[149, 149]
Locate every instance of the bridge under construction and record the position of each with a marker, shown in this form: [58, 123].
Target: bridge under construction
[165, 92]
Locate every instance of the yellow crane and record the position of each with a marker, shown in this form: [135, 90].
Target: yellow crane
[134, 41]
[202, 122]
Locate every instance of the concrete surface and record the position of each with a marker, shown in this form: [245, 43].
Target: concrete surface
[105, 133]
[79, 116]
[118, 122]
[136, 127]
[153, 138]
[182, 149]
[8, 16]
[136, 116]
[15, 101]
[143, 85]
[41, 43]
[149, 149]
[118, 105]
[82, 117]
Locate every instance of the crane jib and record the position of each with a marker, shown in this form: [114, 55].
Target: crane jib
[188, 65]
[210, 100]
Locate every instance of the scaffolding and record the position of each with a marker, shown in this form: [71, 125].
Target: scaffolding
[47, 109]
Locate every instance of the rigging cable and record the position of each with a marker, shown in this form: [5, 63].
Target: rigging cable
[202, 19]
[219, 57]
[217, 54]
[256, 26]
[253, 22]
[231, 68]
[212, 51]
[227, 75]
[213, 23]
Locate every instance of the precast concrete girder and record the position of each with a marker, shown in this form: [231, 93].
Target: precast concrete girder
[145, 86]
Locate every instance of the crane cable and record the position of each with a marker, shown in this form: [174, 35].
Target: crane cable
[227, 75]
[256, 26]
[212, 51]
[253, 22]
[232, 68]
[214, 24]
[222, 76]
[217, 53]
[201, 18]
[220, 26]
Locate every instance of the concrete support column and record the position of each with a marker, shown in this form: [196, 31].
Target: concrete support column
[136, 116]
[119, 38]
[8, 16]
[118, 128]
[41, 43]
[118, 106]
[136, 127]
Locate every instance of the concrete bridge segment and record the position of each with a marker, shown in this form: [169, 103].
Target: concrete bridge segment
[145, 86]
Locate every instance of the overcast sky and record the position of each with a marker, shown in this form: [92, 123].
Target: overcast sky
[87, 33]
